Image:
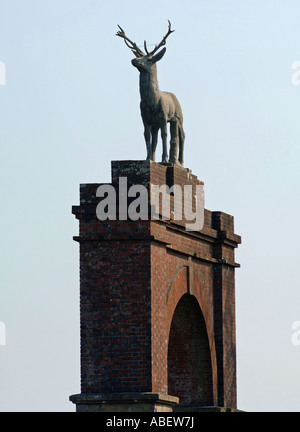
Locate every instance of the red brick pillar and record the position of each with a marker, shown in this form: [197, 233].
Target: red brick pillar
[224, 309]
[140, 282]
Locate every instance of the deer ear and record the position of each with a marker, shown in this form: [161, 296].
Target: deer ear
[159, 55]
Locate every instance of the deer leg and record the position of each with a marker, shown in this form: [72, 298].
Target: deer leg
[174, 143]
[154, 132]
[181, 141]
[147, 135]
[164, 134]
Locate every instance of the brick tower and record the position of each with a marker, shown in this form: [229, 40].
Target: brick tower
[157, 304]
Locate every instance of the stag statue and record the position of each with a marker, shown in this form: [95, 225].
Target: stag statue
[158, 108]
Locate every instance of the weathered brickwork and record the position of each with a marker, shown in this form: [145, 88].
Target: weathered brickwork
[157, 302]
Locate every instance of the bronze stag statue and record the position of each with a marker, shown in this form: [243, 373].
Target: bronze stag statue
[158, 108]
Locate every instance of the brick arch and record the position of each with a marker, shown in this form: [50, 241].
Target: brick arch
[183, 285]
[189, 359]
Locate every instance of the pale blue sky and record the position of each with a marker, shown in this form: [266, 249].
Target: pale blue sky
[71, 105]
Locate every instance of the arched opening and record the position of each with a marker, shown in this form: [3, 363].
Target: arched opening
[189, 360]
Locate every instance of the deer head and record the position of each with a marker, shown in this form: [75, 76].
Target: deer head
[145, 60]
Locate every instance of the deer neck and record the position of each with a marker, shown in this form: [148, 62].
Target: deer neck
[149, 88]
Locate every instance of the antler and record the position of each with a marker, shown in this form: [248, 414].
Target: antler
[163, 42]
[132, 45]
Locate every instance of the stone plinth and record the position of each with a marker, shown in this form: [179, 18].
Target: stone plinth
[124, 402]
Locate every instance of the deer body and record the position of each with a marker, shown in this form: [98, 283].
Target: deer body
[158, 108]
